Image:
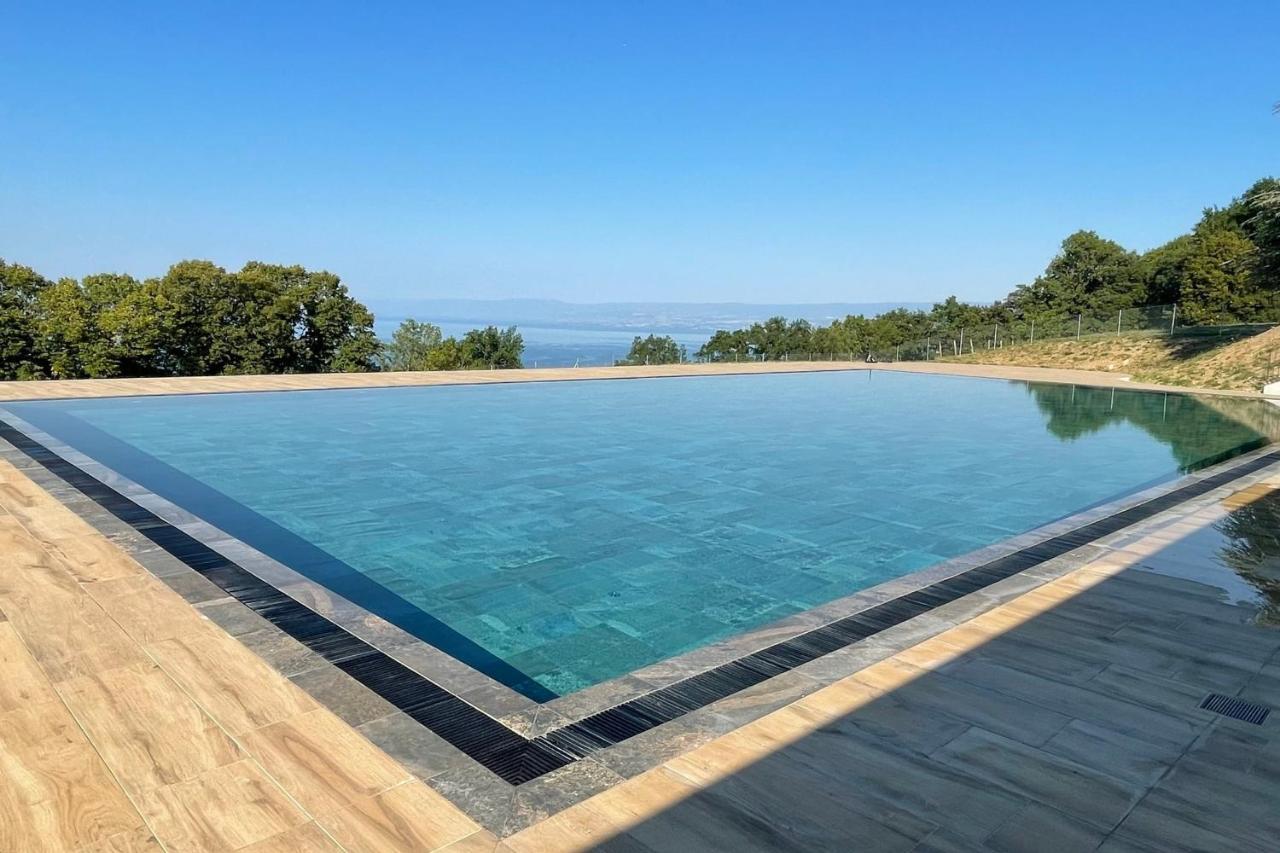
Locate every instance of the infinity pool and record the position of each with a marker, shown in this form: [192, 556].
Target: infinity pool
[558, 534]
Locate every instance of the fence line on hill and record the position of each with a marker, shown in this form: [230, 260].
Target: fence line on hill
[1164, 321]
[1151, 319]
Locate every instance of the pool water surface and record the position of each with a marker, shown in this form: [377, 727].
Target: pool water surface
[555, 535]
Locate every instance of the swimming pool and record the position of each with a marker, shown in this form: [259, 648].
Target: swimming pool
[555, 535]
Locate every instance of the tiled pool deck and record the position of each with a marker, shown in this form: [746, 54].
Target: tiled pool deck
[1057, 706]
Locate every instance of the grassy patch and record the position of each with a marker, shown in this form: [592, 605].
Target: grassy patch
[1236, 359]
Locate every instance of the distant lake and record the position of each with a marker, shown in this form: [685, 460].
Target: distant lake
[561, 347]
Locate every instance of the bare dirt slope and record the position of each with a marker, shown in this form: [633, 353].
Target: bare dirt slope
[1238, 361]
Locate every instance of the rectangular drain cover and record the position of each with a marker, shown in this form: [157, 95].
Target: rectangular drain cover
[1239, 709]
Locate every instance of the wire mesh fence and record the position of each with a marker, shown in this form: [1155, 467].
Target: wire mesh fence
[1149, 319]
[1251, 369]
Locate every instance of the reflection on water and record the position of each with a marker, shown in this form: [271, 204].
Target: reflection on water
[1250, 545]
[1194, 428]
[1241, 553]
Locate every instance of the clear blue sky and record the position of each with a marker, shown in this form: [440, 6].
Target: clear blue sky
[777, 151]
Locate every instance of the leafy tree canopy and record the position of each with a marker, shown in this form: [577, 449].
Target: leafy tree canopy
[1089, 275]
[196, 319]
[421, 346]
[410, 346]
[654, 350]
[493, 348]
[20, 289]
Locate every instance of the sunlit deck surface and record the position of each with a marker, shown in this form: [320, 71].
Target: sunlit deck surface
[1055, 710]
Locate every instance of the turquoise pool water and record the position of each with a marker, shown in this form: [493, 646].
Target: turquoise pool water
[556, 535]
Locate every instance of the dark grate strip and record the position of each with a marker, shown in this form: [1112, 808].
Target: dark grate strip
[517, 759]
[1236, 709]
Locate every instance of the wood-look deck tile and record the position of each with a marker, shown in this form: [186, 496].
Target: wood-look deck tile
[35, 509]
[135, 841]
[721, 757]
[21, 681]
[849, 757]
[1171, 824]
[147, 729]
[90, 557]
[1044, 830]
[408, 817]
[148, 610]
[955, 698]
[322, 762]
[57, 794]
[307, 838]
[1082, 702]
[1124, 756]
[65, 629]
[596, 820]
[782, 802]
[1248, 495]
[225, 808]
[231, 683]
[477, 842]
[1087, 795]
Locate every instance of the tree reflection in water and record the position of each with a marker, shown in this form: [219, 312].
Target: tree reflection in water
[1200, 431]
[1252, 549]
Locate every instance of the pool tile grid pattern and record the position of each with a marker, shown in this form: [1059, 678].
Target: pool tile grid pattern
[517, 759]
[512, 709]
[584, 548]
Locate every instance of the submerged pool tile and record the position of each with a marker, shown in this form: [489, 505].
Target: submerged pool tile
[669, 513]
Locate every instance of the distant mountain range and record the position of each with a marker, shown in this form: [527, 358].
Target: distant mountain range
[646, 316]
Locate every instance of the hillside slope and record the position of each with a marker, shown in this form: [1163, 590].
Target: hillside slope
[1239, 362]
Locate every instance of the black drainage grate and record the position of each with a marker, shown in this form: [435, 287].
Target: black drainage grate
[1237, 709]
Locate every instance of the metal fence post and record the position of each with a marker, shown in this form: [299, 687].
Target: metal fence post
[1079, 318]
[1119, 318]
[1174, 318]
[1033, 330]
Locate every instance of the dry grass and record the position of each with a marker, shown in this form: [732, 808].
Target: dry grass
[1237, 361]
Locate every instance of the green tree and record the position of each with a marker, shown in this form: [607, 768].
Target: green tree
[421, 346]
[952, 316]
[411, 346]
[127, 311]
[1261, 225]
[1216, 284]
[655, 350]
[190, 300]
[726, 345]
[266, 318]
[336, 330]
[20, 289]
[69, 338]
[449, 355]
[1163, 270]
[493, 348]
[1090, 275]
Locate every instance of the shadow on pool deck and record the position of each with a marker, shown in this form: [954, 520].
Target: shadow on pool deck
[1078, 729]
